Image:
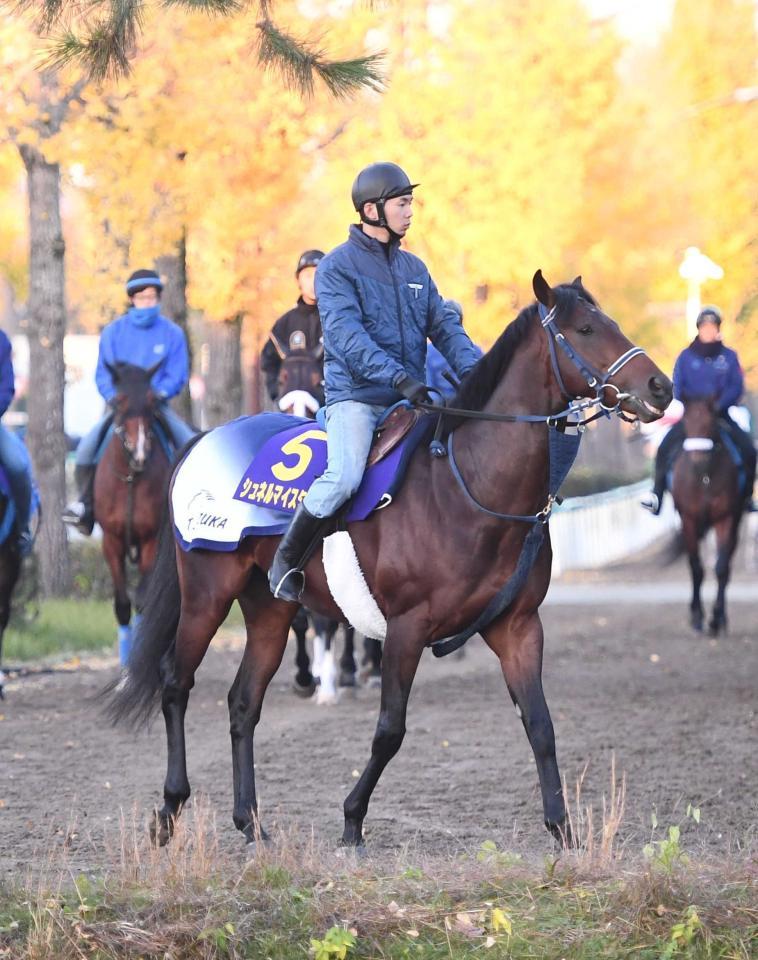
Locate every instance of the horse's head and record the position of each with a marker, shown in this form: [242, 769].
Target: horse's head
[700, 422]
[590, 356]
[300, 391]
[134, 408]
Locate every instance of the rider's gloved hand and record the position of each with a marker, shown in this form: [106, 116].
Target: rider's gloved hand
[413, 390]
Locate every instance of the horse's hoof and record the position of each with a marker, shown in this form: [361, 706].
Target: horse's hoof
[161, 830]
[347, 678]
[561, 833]
[304, 690]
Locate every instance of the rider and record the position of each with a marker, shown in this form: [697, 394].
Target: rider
[378, 305]
[13, 454]
[142, 337]
[299, 328]
[706, 368]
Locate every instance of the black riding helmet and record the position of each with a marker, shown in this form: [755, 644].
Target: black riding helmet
[377, 183]
[311, 258]
[709, 314]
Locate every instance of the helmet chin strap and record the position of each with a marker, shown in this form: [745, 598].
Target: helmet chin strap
[381, 220]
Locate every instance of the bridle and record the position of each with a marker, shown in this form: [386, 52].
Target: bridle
[596, 380]
[136, 457]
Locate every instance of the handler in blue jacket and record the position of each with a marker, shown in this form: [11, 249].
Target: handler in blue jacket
[706, 368]
[13, 454]
[142, 337]
[378, 305]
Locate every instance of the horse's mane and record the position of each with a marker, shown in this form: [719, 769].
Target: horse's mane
[480, 382]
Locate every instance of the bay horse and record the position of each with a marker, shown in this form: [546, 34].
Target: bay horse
[434, 561]
[10, 568]
[706, 491]
[300, 394]
[130, 489]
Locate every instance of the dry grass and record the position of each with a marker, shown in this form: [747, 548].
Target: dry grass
[194, 899]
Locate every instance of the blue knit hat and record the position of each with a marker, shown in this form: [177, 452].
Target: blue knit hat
[141, 280]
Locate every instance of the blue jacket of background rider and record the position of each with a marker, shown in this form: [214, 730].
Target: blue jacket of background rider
[708, 370]
[7, 382]
[378, 306]
[143, 337]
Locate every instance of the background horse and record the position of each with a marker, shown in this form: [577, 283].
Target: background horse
[10, 568]
[301, 394]
[130, 489]
[436, 561]
[706, 491]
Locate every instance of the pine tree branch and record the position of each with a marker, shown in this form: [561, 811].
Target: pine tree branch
[300, 63]
[221, 8]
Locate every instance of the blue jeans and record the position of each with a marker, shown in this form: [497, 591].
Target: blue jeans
[15, 458]
[86, 452]
[349, 429]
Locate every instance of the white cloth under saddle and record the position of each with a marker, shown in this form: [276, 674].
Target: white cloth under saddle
[349, 588]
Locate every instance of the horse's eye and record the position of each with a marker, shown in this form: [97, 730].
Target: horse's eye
[586, 330]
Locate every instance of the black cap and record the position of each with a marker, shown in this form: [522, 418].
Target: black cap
[311, 258]
[709, 314]
[380, 181]
[141, 280]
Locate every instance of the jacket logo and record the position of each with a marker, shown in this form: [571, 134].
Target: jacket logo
[159, 348]
[416, 287]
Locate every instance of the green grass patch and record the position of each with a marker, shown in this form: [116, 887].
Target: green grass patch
[61, 627]
[294, 901]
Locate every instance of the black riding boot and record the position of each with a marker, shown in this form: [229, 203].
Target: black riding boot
[286, 577]
[81, 512]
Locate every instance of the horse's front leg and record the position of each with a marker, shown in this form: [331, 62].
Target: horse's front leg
[347, 660]
[402, 651]
[517, 640]
[726, 542]
[304, 685]
[267, 622]
[115, 557]
[691, 545]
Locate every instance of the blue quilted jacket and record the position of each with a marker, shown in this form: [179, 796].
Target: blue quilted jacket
[711, 370]
[377, 313]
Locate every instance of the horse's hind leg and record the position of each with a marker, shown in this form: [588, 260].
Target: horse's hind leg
[517, 641]
[201, 616]
[267, 622]
[304, 685]
[726, 542]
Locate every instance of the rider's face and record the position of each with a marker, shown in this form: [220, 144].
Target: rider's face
[145, 298]
[398, 213]
[306, 280]
[708, 332]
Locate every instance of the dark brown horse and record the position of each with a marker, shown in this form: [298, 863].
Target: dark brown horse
[130, 489]
[705, 488]
[434, 560]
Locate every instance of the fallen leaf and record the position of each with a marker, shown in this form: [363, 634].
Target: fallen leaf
[412, 933]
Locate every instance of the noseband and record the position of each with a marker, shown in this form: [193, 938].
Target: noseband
[595, 379]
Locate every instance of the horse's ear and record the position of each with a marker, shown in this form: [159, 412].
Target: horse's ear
[151, 371]
[542, 290]
[577, 282]
[112, 370]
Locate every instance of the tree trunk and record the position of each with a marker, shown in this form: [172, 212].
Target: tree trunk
[224, 380]
[46, 325]
[173, 267]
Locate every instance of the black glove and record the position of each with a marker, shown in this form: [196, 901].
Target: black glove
[413, 390]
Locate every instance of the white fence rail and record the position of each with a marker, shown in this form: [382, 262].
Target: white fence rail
[588, 532]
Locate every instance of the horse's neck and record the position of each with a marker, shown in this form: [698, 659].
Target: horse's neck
[506, 464]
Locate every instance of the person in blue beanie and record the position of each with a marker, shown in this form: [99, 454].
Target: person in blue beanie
[706, 368]
[142, 337]
[378, 306]
[13, 454]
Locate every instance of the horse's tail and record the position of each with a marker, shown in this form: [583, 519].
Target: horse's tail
[134, 696]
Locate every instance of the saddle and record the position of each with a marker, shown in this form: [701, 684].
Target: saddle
[396, 425]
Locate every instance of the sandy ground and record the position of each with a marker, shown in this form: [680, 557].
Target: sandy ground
[629, 679]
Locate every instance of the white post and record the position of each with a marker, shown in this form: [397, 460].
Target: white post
[696, 268]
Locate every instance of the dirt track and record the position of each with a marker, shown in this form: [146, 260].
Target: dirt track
[680, 713]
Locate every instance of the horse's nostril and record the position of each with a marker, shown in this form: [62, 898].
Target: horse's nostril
[659, 387]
